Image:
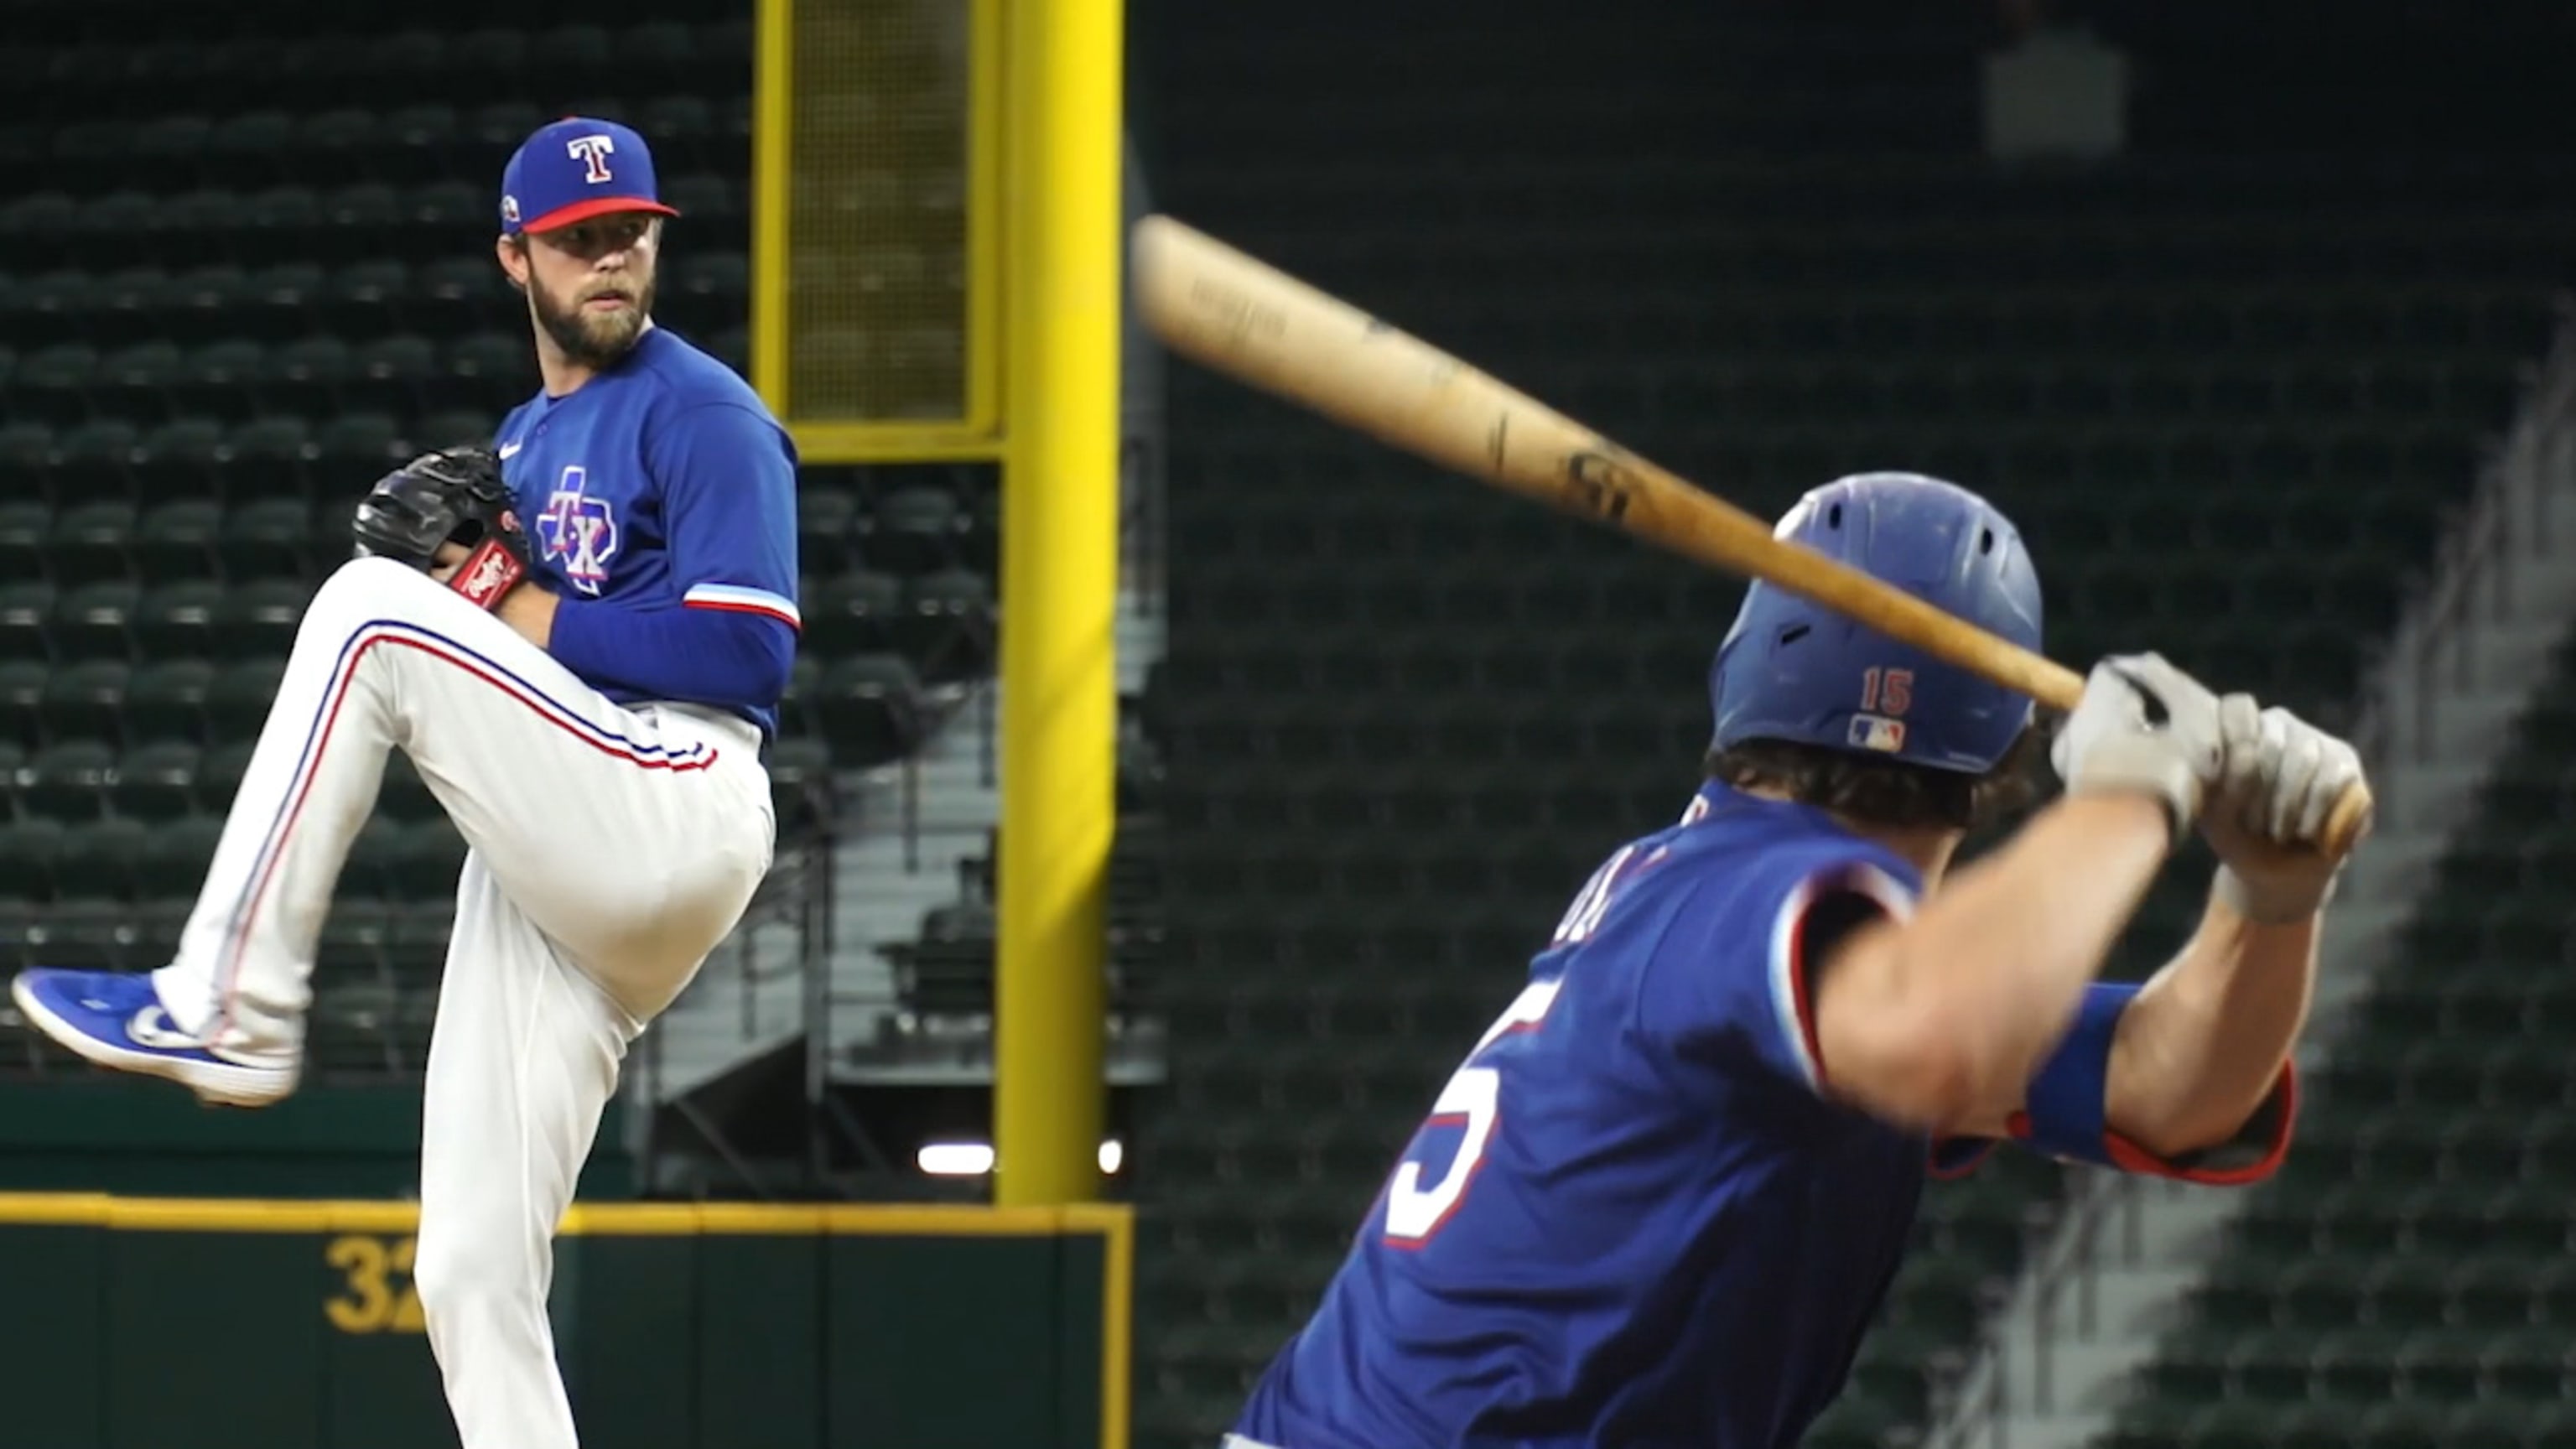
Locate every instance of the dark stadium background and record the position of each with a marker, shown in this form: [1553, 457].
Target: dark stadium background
[2269, 371]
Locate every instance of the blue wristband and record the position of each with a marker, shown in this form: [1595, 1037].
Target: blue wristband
[2068, 1099]
[2066, 1109]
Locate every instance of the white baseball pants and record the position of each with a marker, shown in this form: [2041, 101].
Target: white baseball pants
[611, 849]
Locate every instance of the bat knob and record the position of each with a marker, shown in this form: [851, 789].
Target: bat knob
[2349, 822]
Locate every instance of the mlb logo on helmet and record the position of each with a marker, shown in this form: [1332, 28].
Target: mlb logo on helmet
[575, 169]
[1877, 732]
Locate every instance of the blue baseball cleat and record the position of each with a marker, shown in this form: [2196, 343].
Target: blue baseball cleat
[115, 1019]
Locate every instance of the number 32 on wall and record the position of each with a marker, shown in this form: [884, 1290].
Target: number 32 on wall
[380, 1298]
[1415, 1210]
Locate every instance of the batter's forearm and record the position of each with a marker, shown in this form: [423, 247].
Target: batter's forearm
[2205, 1041]
[1956, 1009]
[2008, 949]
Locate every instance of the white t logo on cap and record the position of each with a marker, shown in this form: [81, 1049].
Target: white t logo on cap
[592, 152]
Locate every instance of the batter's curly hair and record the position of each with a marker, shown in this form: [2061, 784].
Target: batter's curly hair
[1892, 794]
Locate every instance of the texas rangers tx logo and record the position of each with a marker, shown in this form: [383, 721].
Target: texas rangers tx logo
[579, 532]
[593, 153]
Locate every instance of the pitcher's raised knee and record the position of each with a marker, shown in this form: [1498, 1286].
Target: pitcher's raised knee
[371, 590]
[479, 1284]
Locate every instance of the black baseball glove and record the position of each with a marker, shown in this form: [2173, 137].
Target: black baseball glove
[454, 496]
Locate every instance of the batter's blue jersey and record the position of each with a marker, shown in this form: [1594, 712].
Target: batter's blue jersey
[662, 483]
[1633, 1218]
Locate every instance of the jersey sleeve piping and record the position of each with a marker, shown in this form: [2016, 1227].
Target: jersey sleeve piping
[1951, 1158]
[741, 599]
[1792, 999]
[2251, 1156]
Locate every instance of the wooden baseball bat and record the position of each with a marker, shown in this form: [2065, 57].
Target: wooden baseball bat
[1263, 327]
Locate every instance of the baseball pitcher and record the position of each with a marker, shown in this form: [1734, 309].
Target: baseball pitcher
[579, 635]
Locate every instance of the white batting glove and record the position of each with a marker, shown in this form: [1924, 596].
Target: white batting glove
[2142, 726]
[2279, 781]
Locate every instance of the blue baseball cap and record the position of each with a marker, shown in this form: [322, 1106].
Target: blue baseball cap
[575, 169]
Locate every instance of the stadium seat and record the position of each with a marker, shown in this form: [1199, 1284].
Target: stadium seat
[28, 848]
[430, 862]
[25, 527]
[167, 699]
[54, 383]
[364, 298]
[796, 704]
[487, 370]
[258, 619]
[171, 865]
[310, 376]
[91, 542]
[446, 203]
[352, 451]
[275, 302]
[268, 455]
[220, 772]
[251, 135]
[95, 460]
[138, 380]
[27, 450]
[457, 295]
[155, 782]
[269, 538]
[215, 299]
[2155, 1423]
[732, 347]
[946, 625]
[393, 374]
[177, 459]
[913, 531]
[84, 700]
[237, 699]
[70, 781]
[2492, 1422]
[719, 283]
[94, 621]
[377, 861]
[176, 540]
[869, 708]
[800, 786]
[825, 520]
[403, 794]
[88, 931]
[99, 859]
[460, 427]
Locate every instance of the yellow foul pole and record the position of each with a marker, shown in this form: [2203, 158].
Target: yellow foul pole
[1062, 104]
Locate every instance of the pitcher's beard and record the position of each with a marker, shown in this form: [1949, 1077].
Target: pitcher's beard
[591, 339]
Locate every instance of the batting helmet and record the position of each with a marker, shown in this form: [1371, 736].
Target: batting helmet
[1797, 671]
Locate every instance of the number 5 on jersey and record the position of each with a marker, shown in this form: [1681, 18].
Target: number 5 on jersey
[1472, 1097]
[1415, 1210]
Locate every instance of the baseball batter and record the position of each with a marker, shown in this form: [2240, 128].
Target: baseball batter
[1661, 1201]
[580, 635]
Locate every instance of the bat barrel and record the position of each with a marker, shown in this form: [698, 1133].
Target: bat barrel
[1249, 320]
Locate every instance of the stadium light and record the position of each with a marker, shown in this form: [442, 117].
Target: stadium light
[974, 1159]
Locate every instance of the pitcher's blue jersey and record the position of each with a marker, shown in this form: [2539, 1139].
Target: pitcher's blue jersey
[1632, 1219]
[662, 483]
